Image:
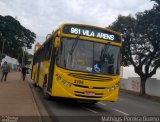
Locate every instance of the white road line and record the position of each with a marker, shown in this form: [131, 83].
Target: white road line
[120, 99]
[152, 102]
[93, 111]
[121, 112]
[102, 103]
[117, 121]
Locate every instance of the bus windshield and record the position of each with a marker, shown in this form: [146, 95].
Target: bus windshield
[89, 56]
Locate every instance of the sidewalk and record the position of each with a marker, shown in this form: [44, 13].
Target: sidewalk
[16, 100]
[153, 98]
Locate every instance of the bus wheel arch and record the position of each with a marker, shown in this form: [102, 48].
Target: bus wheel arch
[87, 102]
[35, 80]
[45, 94]
[45, 79]
[35, 84]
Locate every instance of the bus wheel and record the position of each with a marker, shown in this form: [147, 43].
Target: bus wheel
[88, 102]
[35, 84]
[93, 102]
[45, 94]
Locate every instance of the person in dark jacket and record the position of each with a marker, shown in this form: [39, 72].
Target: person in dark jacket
[24, 72]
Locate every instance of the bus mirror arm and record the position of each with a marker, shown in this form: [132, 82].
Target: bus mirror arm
[56, 52]
[57, 42]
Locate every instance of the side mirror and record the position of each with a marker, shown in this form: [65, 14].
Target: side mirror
[56, 42]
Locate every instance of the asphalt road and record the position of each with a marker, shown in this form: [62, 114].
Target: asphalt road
[62, 110]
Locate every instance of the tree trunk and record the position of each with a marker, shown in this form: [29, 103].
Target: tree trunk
[143, 88]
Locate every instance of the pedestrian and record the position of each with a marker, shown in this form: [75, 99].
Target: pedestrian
[24, 72]
[5, 69]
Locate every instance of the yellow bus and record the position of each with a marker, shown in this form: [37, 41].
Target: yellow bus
[79, 61]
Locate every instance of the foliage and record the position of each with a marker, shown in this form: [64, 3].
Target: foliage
[1, 56]
[141, 46]
[27, 58]
[14, 36]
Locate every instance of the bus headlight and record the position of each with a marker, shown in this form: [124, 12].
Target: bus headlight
[59, 78]
[64, 82]
[113, 87]
[68, 84]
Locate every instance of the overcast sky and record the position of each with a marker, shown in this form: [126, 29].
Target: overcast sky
[43, 16]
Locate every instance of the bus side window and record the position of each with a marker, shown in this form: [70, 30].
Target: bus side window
[35, 59]
[42, 54]
[50, 49]
[39, 55]
[46, 51]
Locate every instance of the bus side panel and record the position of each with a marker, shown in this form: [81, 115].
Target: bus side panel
[51, 70]
[33, 76]
[43, 71]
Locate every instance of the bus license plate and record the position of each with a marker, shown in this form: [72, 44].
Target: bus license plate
[89, 93]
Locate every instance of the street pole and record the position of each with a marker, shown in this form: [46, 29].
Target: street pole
[3, 46]
[23, 58]
[3, 40]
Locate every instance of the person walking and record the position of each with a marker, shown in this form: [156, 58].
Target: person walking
[5, 69]
[24, 72]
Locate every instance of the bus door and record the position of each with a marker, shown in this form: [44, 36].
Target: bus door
[38, 71]
[51, 69]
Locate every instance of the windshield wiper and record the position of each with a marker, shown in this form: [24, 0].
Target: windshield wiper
[74, 45]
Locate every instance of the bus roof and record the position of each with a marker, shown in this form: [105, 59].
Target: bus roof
[61, 27]
[91, 31]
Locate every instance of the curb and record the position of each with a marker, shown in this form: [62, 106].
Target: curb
[44, 115]
[153, 98]
[35, 104]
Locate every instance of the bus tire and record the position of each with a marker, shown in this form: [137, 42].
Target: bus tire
[45, 94]
[93, 102]
[88, 102]
[35, 84]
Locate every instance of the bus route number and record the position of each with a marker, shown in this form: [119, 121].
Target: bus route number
[78, 81]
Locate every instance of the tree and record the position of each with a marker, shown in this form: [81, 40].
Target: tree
[141, 46]
[14, 36]
[27, 57]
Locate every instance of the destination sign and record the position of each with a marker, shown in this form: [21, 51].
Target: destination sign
[91, 32]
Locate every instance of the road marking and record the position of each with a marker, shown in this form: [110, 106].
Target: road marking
[152, 102]
[102, 103]
[90, 110]
[121, 112]
[120, 99]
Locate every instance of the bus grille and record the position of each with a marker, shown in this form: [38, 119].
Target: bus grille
[88, 96]
[90, 77]
[82, 86]
[82, 94]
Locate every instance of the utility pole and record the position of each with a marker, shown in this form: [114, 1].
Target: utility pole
[23, 56]
[3, 41]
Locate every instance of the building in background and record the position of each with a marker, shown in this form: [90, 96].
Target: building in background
[37, 46]
[129, 72]
[14, 64]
